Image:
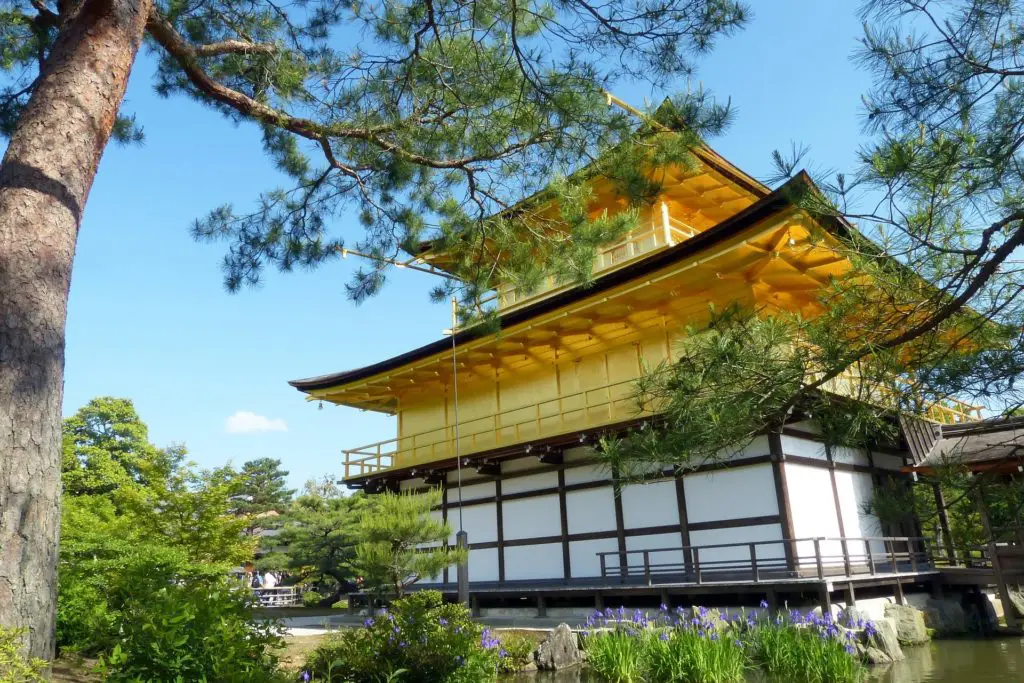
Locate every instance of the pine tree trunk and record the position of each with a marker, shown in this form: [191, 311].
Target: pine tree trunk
[45, 179]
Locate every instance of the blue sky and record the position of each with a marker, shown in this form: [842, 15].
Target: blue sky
[149, 319]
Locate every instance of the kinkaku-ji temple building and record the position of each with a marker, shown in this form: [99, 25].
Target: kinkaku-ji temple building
[544, 519]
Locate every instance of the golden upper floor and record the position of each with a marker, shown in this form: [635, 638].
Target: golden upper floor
[565, 359]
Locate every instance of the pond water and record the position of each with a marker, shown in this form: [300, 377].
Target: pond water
[943, 661]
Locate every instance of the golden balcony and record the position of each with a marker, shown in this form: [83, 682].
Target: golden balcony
[657, 230]
[586, 409]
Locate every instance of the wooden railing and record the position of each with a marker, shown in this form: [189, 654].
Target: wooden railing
[824, 558]
[583, 409]
[280, 596]
[658, 231]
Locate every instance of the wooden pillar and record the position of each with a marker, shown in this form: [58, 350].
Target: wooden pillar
[993, 551]
[542, 606]
[851, 595]
[782, 498]
[900, 599]
[500, 519]
[947, 536]
[563, 511]
[826, 599]
[620, 526]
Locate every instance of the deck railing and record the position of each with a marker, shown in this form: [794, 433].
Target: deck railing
[280, 596]
[656, 231]
[824, 558]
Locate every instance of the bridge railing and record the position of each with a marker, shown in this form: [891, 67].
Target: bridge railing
[280, 596]
[821, 557]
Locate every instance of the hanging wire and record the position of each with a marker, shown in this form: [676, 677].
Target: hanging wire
[455, 387]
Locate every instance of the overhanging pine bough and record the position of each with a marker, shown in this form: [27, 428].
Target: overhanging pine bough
[432, 116]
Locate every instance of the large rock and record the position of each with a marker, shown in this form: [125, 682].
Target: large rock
[979, 613]
[560, 650]
[876, 657]
[910, 628]
[886, 639]
[852, 617]
[945, 616]
[1017, 600]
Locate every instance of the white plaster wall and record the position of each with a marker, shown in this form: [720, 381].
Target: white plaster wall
[584, 473]
[577, 454]
[757, 447]
[653, 504]
[668, 546]
[471, 491]
[409, 484]
[480, 522]
[483, 564]
[742, 534]
[886, 461]
[855, 490]
[850, 456]
[531, 517]
[731, 494]
[583, 558]
[531, 482]
[542, 561]
[806, 426]
[812, 509]
[590, 510]
[519, 464]
[804, 448]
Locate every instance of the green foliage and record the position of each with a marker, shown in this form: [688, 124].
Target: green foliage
[399, 541]
[311, 599]
[703, 647]
[802, 654]
[518, 653]
[153, 510]
[420, 635]
[427, 127]
[198, 628]
[319, 531]
[14, 668]
[262, 489]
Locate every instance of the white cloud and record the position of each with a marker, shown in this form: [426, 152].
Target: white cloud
[244, 422]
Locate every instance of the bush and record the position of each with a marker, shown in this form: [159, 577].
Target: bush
[13, 667]
[421, 639]
[705, 648]
[311, 599]
[194, 629]
[516, 653]
[341, 604]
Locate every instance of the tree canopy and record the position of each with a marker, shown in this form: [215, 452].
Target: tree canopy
[930, 220]
[262, 489]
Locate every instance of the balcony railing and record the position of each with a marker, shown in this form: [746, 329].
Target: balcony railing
[570, 412]
[656, 231]
[947, 411]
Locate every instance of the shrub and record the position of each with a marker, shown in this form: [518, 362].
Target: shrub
[806, 648]
[341, 604]
[516, 653]
[311, 599]
[705, 648]
[13, 667]
[196, 629]
[421, 636]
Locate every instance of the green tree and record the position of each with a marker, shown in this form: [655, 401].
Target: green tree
[131, 519]
[932, 309]
[106, 446]
[262, 489]
[320, 534]
[425, 118]
[400, 542]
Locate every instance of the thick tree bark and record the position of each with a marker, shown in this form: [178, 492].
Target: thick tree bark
[45, 179]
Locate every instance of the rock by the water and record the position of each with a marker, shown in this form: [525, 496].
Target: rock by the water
[853, 617]
[886, 639]
[945, 616]
[980, 614]
[876, 657]
[910, 627]
[560, 650]
[1017, 599]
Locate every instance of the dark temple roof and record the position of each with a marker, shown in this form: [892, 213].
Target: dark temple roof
[996, 443]
[759, 210]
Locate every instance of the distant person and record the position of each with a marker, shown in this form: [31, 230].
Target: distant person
[269, 580]
[257, 582]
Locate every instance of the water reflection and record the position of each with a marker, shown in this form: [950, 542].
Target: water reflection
[945, 661]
